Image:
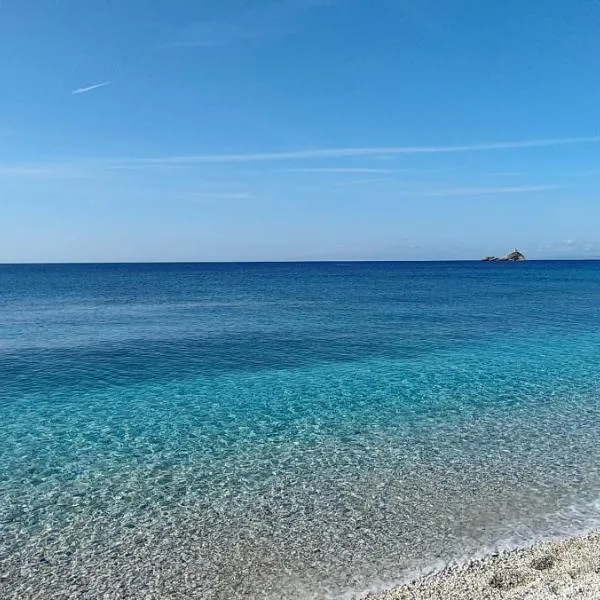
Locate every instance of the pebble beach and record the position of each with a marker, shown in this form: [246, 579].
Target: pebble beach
[563, 570]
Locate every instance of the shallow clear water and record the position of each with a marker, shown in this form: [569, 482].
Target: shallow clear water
[289, 430]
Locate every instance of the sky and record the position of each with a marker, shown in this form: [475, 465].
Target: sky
[211, 130]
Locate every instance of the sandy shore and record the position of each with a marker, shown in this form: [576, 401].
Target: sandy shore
[569, 569]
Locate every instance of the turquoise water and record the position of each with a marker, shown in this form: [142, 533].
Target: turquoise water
[289, 430]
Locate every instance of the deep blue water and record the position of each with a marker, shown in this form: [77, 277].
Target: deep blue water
[289, 430]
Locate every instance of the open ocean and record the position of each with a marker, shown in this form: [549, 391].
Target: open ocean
[309, 430]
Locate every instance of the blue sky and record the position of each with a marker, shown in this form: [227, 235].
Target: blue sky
[298, 129]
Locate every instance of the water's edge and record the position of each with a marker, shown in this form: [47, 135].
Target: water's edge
[561, 568]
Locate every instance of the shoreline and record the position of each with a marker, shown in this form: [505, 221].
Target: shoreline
[551, 569]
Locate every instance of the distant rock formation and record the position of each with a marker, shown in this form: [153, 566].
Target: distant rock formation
[514, 256]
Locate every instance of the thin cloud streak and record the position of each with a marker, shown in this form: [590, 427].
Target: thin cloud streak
[223, 196]
[89, 88]
[339, 170]
[371, 181]
[42, 171]
[521, 189]
[355, 152]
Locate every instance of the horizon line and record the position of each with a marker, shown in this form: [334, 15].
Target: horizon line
[286, 261]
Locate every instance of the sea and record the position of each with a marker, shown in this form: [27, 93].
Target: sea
[289, 430]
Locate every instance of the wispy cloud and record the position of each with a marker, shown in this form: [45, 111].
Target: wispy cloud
[570, 249]
[42, 171]
[369, 181]
[222, 196]
[476, 191]
[338, 170]
[364, 152]
[89, 88]
[274, 18]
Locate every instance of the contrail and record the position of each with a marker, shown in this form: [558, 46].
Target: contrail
[89, 88]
